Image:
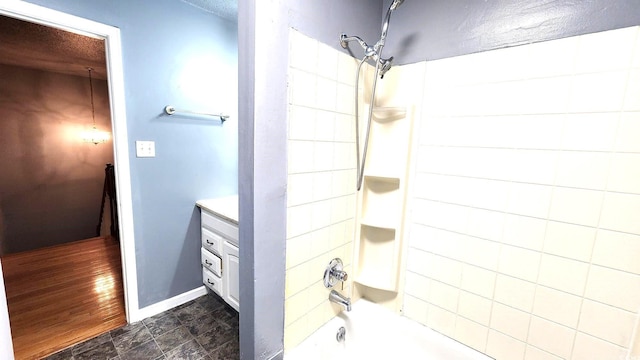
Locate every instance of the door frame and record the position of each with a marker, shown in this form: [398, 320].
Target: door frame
[115, 79]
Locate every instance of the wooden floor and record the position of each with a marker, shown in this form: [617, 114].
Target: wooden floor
[62, 295]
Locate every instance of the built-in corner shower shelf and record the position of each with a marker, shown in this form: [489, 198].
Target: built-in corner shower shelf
[385, 178]
[381, 201]
[379, 223]
[378, 249]
[388, 174]
[389, 113]
[380, 197]
[373, 281]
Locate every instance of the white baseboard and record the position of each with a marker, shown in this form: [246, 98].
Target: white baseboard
[165, 305]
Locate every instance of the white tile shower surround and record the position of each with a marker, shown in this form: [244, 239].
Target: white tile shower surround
[524, 216]
[321, 191]
[523, 227]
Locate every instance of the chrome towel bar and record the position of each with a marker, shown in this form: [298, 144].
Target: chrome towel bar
[170, 110]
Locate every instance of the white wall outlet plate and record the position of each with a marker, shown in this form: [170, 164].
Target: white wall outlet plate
[145, 149]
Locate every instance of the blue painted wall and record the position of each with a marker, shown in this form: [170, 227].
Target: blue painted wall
[173, 54]
[435, 29]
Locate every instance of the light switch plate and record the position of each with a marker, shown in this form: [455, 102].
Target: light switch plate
[145, 149]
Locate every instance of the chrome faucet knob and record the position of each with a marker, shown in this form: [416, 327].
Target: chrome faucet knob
[339, 274]
[334, 273]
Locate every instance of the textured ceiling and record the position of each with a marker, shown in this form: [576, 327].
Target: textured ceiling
[45, 48]
[227, 9]
[40, 47]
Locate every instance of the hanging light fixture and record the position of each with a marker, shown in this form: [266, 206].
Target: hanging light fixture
[94, 135]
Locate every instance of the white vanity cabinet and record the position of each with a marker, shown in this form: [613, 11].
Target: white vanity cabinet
[231, 282]
[219, 253]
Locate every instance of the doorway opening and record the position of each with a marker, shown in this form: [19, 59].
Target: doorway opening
[54, 95]
[113, 92]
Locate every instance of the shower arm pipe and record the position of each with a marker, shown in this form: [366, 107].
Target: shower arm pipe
[344, 40]
[370, 52]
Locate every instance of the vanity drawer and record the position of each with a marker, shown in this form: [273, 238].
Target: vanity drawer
[211, 262]
[212, 281]
[212, 241]
[223, 227]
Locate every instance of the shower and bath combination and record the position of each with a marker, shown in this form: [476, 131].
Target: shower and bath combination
[373, 53]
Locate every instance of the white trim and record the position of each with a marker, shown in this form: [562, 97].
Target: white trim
[115, 76]
[168, 304]
[122, 170]
[6, 344]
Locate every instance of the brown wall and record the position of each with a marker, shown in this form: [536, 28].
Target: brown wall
[50, 181]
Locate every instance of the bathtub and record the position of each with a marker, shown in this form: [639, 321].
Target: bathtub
[373, 332]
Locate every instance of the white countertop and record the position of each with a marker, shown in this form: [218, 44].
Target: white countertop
[225, 207]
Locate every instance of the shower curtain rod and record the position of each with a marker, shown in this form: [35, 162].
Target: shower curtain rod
[170, 110]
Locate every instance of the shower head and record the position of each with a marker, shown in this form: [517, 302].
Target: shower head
[385, 24]
[395, 4]
[385, 65]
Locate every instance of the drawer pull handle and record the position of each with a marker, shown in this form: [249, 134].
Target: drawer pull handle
[208, 263]
[211, 283]
[209, 242]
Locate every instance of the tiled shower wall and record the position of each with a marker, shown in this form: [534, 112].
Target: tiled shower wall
[525, 217]
[321, 181]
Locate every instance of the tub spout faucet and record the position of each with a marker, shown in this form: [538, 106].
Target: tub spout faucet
[338, 298]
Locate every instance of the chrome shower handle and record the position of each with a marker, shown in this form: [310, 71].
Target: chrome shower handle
[334, 273]
[340, 275]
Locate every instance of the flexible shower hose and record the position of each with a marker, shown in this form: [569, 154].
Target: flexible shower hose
[360, 164]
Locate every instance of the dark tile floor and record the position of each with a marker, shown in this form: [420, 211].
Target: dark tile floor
[205, 328]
